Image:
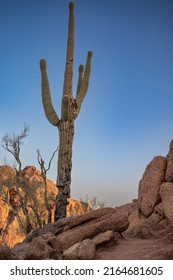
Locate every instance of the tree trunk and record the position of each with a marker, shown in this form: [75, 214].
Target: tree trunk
[23, 202]
[66, 134]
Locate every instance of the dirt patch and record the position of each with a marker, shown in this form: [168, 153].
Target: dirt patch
[136, 249]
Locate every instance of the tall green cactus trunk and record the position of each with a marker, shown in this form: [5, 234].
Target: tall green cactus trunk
[70, 108]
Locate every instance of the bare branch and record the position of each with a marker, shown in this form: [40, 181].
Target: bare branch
[51, 159]
[24, 133]
[94, 202]
[6, 143]
[42, 163]
[43, 175]
[13, 143]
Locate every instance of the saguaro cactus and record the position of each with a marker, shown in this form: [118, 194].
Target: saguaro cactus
[70, 108]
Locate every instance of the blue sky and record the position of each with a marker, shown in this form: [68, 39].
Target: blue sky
[127, 116]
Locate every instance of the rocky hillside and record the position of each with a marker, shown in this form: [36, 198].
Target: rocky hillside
[32, 193]
[142, 229]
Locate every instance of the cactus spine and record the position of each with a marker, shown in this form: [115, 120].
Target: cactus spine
[70, 108]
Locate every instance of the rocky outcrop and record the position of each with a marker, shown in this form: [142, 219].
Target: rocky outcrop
[169, 169]
[5, 253]
[103, 238]
[156, 226]
[117, 222]
[153, 216]
[88, 235]
[149, 186]
[84, 250]
[41, 249]
[86, 226]
[166, 193]
[32, 192]
[74, 237]
[147, 222]
[156, 185]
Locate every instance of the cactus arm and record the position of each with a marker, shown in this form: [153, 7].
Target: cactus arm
[85, 82]
[46, 97]
[68, 75]
[80, 78]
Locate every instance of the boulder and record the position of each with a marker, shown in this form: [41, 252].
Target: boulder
[159, 209]
[169, 169]
[166, 193]
[29, 171]
[19, 250]
[128, 208]
[72, 252]
[84, 250]
[31, 180]
[96, 214]
[136, 227]
[40, 249]
[103, 237]
[68, 223]
[43, 244]
[5, 253]
[155, 226]
[149, 186]
[54, 228]
[7, 176]
[116, 222]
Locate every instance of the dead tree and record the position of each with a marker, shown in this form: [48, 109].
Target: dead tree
[44, 170]
[12, 144]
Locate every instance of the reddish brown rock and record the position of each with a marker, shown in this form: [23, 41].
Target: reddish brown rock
[116, 222]
[169, 169]
[19, 250]
[5, 253]
[76, 207]
[103, 237]
[149, 186]
[143, 227]
[155, 226]
[40, 249]
[159, 209]
[128, 208]
[84, 250]
[81, 219]
[13, 234]
[72, 252]
[22, 250]
[32, 182]
[68, 223]
[136, 228]
[166, 193]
